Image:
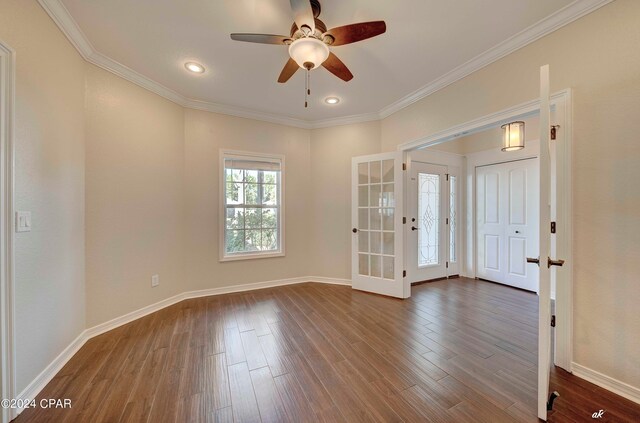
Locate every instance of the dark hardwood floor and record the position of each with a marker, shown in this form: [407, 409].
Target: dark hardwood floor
[457, 351]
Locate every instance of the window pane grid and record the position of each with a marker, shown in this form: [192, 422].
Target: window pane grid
[376, 219]
[252, 204]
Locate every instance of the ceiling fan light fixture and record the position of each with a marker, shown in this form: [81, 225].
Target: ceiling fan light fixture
[194, 67]
[308, 52]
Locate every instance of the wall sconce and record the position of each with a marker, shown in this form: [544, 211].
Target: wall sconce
[513, 136]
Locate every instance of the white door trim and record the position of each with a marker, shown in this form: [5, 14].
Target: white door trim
[562, 101]
[7, 107]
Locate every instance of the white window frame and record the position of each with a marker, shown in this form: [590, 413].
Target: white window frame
[245, 155]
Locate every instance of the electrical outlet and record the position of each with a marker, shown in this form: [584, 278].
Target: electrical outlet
[155, 281]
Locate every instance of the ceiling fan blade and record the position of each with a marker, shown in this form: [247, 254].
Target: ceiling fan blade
[356, 32]
[260, 38]
[303, 14]
[336, 67]
[287, 72]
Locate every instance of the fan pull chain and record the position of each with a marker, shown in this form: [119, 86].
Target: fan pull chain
[307, 91]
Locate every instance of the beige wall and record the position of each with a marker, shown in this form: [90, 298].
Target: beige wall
[598, 57]
[330, 222]
[207, 133]
[152, 183]
[134, 196]
[49, 182]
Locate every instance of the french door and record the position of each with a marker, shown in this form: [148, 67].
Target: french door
[432, 222]
[377, 205]
[544, 260]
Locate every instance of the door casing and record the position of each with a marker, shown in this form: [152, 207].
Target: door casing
[7, 345]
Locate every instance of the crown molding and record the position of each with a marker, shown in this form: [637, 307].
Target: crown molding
[246, 113]
[575, 10]
[557, 20]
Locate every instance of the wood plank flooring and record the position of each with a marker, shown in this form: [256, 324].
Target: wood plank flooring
[458, 351]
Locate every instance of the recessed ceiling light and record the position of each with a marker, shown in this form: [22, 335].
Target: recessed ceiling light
[194, 67]
[332, 100]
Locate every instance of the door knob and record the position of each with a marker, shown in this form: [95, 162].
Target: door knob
[517, 232]
[354, 230]
[558, 263]
[533, 260]
[413, 228]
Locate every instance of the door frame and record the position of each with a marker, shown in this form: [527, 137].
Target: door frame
[7, 123]
[455, 164]
[562, 103]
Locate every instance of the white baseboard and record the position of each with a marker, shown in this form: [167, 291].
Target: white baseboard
[610, 384]
[330, 281]
[33, 389]
[245, 287]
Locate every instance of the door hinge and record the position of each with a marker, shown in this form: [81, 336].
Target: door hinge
[404, 166]
[553, 321]
[447, 221]
[553, 227]
[447, 176]
[554, 131]
[404, 220]
[447, 265]
[404, 273]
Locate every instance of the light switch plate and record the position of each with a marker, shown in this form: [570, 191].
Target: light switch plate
[155, 280]
[23, 221]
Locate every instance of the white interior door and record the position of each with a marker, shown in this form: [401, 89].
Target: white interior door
[377, 262]
[544, 259]
[507, 204]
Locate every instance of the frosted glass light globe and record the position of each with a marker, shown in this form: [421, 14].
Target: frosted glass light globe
[308, 52]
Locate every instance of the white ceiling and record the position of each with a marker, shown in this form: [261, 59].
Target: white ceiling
[425, 40]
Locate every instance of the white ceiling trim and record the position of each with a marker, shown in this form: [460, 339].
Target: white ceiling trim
[557, 20]
[61, 16]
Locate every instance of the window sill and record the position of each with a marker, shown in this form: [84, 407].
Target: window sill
[252, 256]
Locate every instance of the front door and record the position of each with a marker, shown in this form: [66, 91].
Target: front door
[507, 222]
[377, 238]
[432, 222]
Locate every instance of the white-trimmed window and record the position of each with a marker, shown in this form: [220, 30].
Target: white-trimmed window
[252, 211]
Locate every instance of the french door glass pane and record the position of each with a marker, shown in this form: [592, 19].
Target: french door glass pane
[363, 218]
[363, 264]
[363, 196]
[363, 173]
[376, 214]
[387, 171]
[376, 246]
[428, 219]
[387, 267]
[376, 171]
[375, 195]
[363, 242]
[453, 189]
[376, 266]
[388, 243]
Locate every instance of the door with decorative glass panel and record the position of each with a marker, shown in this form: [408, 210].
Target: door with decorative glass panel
[434, 197]
[377, 202]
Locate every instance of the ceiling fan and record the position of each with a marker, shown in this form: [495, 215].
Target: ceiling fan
[309, 41]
